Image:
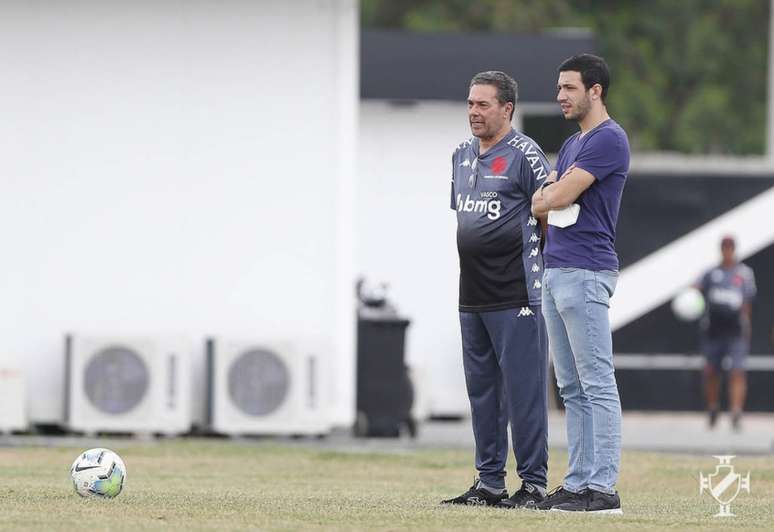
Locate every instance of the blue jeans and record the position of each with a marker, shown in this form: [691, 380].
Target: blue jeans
[575, 306]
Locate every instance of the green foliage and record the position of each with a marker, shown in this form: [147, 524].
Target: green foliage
[687, 76]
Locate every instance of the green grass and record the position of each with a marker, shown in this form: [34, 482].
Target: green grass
[224, 485]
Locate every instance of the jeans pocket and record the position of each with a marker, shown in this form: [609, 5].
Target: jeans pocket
[597, 288]
[608, 279]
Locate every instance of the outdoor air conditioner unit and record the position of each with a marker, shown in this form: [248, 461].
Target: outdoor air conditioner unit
[131, 385]
[12, 399]
[264, 389]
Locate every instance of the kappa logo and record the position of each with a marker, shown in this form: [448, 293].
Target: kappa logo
[535, 268]
[533, 252]
[532, 222]
[465, 143]
[537, 284]
[534, 238]
[525, 311]
[724, 484]
[465, 163]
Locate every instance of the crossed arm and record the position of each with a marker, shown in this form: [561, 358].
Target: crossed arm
[562, 192]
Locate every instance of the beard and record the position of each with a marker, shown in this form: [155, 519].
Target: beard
[580, 109]
[488, 131]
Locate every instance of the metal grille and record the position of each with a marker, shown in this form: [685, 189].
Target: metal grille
[116, 380]
[258, 382]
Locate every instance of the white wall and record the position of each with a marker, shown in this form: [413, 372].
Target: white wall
[175, 167]
[406, 233]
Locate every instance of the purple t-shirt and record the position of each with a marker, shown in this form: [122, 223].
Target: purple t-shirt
[590, 242]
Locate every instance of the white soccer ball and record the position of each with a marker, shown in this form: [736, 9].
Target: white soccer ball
[688, 305]
[98, 473]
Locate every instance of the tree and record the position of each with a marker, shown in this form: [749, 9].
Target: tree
[688, 76]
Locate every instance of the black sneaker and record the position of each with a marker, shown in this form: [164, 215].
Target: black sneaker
[560, 496]
[736, 421]
[591, 501]
[528, 496]
[713, 417]
[603, 503]
[478, 496]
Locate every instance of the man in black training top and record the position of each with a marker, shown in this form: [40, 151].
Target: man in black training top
[504, 344]
[729, 290]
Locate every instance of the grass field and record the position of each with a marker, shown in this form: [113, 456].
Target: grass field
[226, 485]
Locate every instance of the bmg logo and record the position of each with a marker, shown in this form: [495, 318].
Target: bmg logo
[487, 204]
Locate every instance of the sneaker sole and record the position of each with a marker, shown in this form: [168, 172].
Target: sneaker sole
[503, 507]
[470, 504]
[612, 511]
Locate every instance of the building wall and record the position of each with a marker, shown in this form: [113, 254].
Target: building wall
[406, 234]
[176, 168]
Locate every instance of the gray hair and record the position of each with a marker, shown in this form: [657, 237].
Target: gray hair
[507, 88]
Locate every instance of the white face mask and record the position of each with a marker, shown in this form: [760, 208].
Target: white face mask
[564, 217]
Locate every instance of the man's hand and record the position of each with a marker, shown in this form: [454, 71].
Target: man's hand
[539, 208]
[746, 320]
[573, 183]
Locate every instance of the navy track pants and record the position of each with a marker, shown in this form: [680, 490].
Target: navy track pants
[505, 356]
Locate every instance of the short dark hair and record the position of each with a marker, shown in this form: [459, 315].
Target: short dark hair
[592, 68]
[507, 88]
[728, 240]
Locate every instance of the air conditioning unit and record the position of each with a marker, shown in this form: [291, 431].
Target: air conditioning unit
[264, 389]
[12, 399]
[131, 385]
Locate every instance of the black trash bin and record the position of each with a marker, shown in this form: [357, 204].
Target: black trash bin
[384, 390]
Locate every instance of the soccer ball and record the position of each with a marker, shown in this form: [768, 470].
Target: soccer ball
[98, 473]
[688, 305]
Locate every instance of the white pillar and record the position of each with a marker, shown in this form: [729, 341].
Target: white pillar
[770, 88]
[348, 92]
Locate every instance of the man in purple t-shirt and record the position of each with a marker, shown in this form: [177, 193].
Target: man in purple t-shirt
[581, 270]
